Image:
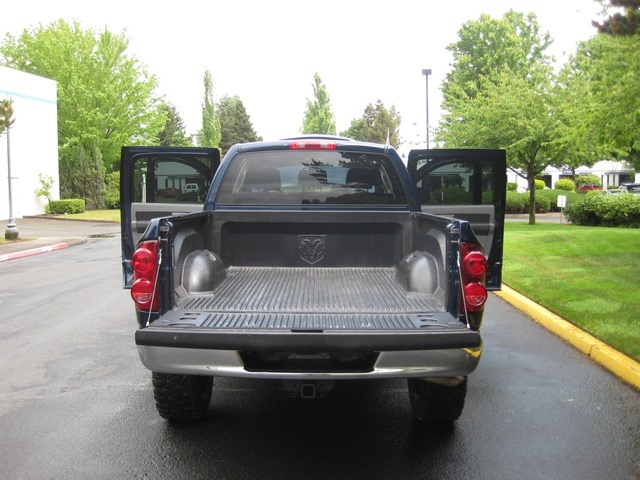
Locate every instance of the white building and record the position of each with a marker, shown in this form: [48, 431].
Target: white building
[610, 172]
[33, 141]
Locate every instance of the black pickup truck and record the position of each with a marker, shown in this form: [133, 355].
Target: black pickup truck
[311, 260]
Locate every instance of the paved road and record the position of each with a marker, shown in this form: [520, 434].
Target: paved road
[75, 401]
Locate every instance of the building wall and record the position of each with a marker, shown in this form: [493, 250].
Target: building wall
[610, 172]
[33, 141]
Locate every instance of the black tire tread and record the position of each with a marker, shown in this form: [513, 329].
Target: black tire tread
[181, 397]
[432, 402]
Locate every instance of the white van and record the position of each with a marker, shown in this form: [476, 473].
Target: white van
[190, 187]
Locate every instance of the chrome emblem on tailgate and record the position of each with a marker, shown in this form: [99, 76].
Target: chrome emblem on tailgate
[311, 248]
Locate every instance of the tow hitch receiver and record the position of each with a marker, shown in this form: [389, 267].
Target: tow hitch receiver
[308, 389]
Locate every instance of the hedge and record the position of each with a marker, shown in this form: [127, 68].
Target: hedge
[516, 202]
[601, 210]
[546, 201]
[519, 203]
[552, 196]
[70, 205]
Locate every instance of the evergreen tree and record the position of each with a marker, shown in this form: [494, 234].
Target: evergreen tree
[627, 23]
[173, 133]
[82, 174]
[235, 123]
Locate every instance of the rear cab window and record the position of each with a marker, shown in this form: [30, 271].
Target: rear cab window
[293, 177]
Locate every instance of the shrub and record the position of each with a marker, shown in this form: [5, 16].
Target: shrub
[516, 202]
[69, 205]
[112, 194]
[622, 210]
[539, 184]
[565, 184]
[456, 194]
[589, 179]
[46, 183]
[190, 197]
[512, 187]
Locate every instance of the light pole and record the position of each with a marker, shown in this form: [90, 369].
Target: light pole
[6, 120]
[426, 72]
[11, 233]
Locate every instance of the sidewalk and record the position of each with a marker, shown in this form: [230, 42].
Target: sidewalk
[42, 234]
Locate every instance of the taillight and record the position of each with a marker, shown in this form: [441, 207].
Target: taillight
[473, 270]
[144, 263]
[475, 264]
[475, 295]
[312, 145]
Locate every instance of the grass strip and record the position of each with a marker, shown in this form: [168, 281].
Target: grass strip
[590, 276]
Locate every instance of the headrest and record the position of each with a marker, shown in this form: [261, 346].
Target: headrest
[360, 177]
[261, 178]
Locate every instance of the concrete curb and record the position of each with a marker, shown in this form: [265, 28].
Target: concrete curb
[32, 251]
[44, 245]
[620, 365]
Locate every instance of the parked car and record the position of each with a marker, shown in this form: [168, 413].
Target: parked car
[630, 187]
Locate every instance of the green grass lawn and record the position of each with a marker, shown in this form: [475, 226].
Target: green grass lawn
[589, 276]
[102, 215]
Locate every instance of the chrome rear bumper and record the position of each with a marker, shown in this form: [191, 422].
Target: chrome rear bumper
[394, 364]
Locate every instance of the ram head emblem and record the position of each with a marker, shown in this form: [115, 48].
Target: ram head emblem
[311, 248]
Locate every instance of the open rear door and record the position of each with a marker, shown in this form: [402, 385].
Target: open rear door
[469, 185]
[160, 182]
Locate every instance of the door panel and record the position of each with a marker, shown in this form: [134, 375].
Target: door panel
[468, 185]
[153, 184]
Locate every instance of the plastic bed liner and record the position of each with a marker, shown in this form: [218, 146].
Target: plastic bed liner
[311, 290]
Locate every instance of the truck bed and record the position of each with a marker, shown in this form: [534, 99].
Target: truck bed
[310, 299]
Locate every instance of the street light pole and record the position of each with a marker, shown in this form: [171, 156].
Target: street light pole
[426, 72]
[6, 120]
[11, 233]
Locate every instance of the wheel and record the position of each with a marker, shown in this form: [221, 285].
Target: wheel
[436, 402]
[181, 397]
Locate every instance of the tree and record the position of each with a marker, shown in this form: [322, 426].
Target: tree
[498, 94]
[173, 133]
[376, 125]
[607, 69]
[235, 123]
[575, 142]
[487, 46]
[82, 174]
[318, 117]
[627, 23]
[209, 135]
[6, 115]
[106, 98]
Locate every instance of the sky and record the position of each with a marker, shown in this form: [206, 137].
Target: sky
[266, 52]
